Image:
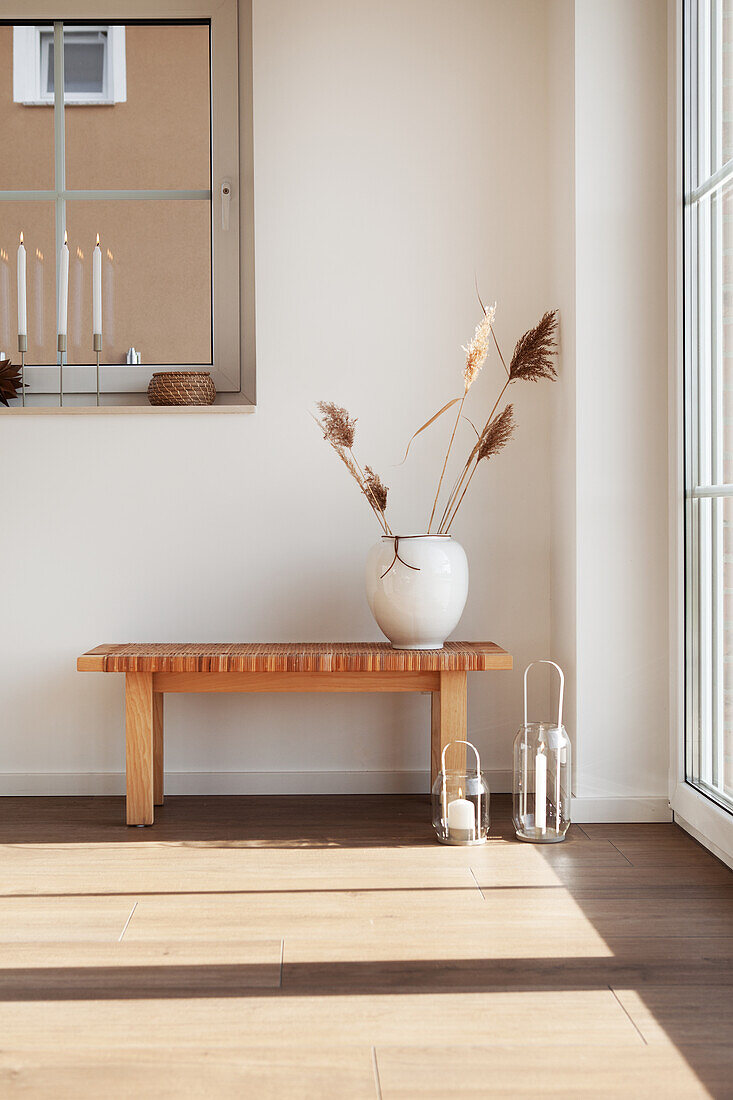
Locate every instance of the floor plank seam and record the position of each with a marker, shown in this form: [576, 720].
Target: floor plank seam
[375, 1067]
[621, 853]
[631, 1018]
[483, 895]
[134, 907]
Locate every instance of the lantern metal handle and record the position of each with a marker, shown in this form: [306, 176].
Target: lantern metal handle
[470, 745]
[562, 688]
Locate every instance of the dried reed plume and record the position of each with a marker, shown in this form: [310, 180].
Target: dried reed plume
[338, 427]
[530, 362]
[377, 488]
[531, 359]
[497, 434]
[476, 353]
[478, 349]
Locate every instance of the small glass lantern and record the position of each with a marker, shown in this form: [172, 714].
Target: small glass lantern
[542, 775]
[461, 803]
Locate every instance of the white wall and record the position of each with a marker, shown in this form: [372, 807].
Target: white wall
[400, 147]
[615, 568]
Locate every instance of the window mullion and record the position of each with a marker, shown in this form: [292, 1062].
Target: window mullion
[59, 135]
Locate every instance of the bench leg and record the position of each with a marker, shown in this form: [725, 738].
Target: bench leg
[449, 722]
[139, 724]
[158, 748]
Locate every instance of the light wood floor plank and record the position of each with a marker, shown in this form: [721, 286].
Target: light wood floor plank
[267, 1018]
[44, 919]
[286, 1073]
[557, 1071]
[702, 1015]
[84, 971]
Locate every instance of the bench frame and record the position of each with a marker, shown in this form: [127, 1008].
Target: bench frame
[144, 693]
[153, 669]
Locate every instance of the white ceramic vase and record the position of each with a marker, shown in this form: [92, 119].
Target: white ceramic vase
[416, 587]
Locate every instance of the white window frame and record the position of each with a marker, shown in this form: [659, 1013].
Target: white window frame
[695, 459]
[30, 70]
[232, 302]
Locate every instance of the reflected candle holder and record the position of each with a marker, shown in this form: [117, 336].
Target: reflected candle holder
[22, 348]
[97, 345]
[61, 347]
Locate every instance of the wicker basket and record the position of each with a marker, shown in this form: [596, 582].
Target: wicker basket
[181, 387]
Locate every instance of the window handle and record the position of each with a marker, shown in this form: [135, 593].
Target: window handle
[226, 196]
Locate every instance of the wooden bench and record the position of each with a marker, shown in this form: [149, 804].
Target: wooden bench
[152, 670]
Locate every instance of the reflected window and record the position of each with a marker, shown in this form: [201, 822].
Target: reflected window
[95, 72]
[140, 147]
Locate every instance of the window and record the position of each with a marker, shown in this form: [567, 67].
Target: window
[94, 65]
[708, 348]
[139, 144]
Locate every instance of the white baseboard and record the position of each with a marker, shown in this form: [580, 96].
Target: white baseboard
[620, 809]
[709, 823]
[213, 783]
[312, 782]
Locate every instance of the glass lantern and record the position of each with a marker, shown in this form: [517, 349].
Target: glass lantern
[461, 803]
[542, 775]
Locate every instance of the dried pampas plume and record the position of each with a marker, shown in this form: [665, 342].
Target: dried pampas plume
[531, 360]
[478, 349]
[339, 430]
[497, 434]
[338, 427]
[377, 489]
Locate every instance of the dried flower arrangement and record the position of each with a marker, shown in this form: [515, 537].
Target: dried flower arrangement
[530, 362]
[10, 381]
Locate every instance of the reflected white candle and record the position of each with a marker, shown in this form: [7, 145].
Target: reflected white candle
[22, 319]
[97, 289]
[540, 786]
[64, 288]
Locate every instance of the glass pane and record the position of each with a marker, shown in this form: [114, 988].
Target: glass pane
[725, 397]
[157, 138]
[727, 80]
[36, 220]
[710, 744]
[84, 60]
[726, 770]
[26, 159]
[156, 280]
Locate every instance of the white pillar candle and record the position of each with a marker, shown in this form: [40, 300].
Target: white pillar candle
[22, 320]
[64, 288]
[540, 787]
[461, 819]
[97, 289]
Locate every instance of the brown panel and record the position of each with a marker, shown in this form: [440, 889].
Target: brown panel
[27, 161]
[160, 137]
[156, 280]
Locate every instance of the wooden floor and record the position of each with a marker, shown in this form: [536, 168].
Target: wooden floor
[326, 947]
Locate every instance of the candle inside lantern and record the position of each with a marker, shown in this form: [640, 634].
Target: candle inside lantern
[22, 319]
[540, 797]
[461, 819]
[64, 288]
[97, 289]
